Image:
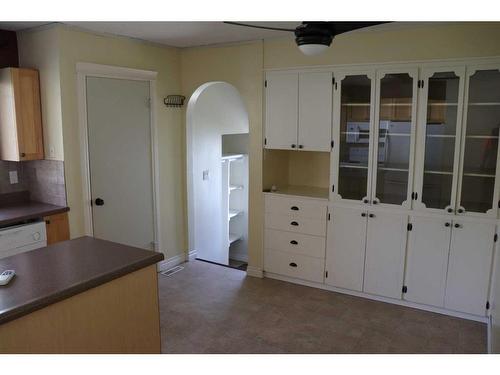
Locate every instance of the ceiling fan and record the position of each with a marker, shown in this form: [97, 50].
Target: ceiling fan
[314, 37]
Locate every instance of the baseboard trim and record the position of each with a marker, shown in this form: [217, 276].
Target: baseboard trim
[255, 272]
[377, 298]
[192, 255]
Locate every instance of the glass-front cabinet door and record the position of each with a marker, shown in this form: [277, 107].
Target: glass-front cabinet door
[352, 134]
[394, 134]
[438, 138]
[478, 189]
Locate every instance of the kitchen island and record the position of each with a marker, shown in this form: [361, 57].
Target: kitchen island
[81, 296]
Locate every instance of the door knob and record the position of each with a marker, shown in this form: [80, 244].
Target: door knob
[99, 202]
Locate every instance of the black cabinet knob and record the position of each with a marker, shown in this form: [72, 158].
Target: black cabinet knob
[293, 264]
[460, 210]
[447, 224]
[99, 202]
[301, 146]
[293, 242]
[371, 215]
[365, 201]
[23, 154]
[294, 208]
[294, 223]
[457, 225]
[374, 201]
[363, 214]
[293, 145]
[450, 210]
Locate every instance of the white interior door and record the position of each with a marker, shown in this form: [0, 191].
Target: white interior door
[315, 111]
[427, 260]
[282, 93]
[120, 158]
[385, 254]
[469, 266]
[345, 250]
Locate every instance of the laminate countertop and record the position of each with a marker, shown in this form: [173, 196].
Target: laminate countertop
[56, 272]
[18, 212]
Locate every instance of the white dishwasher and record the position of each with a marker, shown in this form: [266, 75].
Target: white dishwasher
[20, 238]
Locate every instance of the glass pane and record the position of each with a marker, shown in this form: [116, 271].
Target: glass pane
[440, 132]
[481, 141]
[394, 127]
[354, 136]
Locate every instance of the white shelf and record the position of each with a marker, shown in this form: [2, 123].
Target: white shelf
[438, 172]
[233, 213]
[234, 237]
[484, 104]
[302, 191]
[232, 157]
[235, 187]
[355, 166]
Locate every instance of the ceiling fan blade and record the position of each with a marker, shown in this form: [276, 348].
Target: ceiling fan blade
[259, 27]
[345, 26]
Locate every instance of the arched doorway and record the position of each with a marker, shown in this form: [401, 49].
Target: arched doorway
[217, 174]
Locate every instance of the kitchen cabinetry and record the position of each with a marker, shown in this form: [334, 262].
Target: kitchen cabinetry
[469, 266]
[57, 228]
[457, 158]
[366, 250]
[20, 115]
[298, 111]
[294, 242]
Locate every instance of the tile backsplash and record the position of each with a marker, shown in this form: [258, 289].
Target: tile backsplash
[5, 185]
[44, 179]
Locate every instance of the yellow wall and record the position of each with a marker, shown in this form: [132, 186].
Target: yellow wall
[241, 66]
[40, 50]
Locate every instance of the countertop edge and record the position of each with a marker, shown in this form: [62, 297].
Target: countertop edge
[42, 302]
[53, 211]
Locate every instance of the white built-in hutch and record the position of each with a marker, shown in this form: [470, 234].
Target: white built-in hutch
[397, 193]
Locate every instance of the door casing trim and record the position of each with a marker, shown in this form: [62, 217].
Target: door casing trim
[83, 71]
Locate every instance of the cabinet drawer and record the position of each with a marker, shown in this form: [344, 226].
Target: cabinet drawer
[295, 243]
[294, 265]
[293, 223]
[306, 208]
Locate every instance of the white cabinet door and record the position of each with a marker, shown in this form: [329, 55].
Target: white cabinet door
[385, 254]
[345, 251]
[315, 111]
[282, 110]
[427, 260]
[469, 266]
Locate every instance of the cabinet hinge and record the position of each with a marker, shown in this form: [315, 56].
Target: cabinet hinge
[328, 216]
[405, 289]
[409, 227]
[333, 188]
[265, 141]
[265, 83]
[326, 274]
[487, 305]
[331, 144]
[495, 238]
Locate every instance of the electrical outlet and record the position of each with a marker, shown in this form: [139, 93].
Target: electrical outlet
[205, 174]
[13, 177]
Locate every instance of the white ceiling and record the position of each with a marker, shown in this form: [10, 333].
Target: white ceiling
[176, 34]
[190, 34]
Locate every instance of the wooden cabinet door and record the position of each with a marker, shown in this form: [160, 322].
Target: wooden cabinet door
[469, 266]
[28, 113]
[57, 227]
[427, 260]
[385, 254]
[281, 110]
[345, 249]
[315, 111]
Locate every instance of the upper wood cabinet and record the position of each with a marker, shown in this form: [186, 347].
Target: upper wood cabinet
[299, 111]
[20, 115]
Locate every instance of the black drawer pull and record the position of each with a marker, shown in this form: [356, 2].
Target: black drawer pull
[293, 264]
[294, 223]
[293, 242]
[294, 208]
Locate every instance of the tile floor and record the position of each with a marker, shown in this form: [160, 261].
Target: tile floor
[207, 308]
